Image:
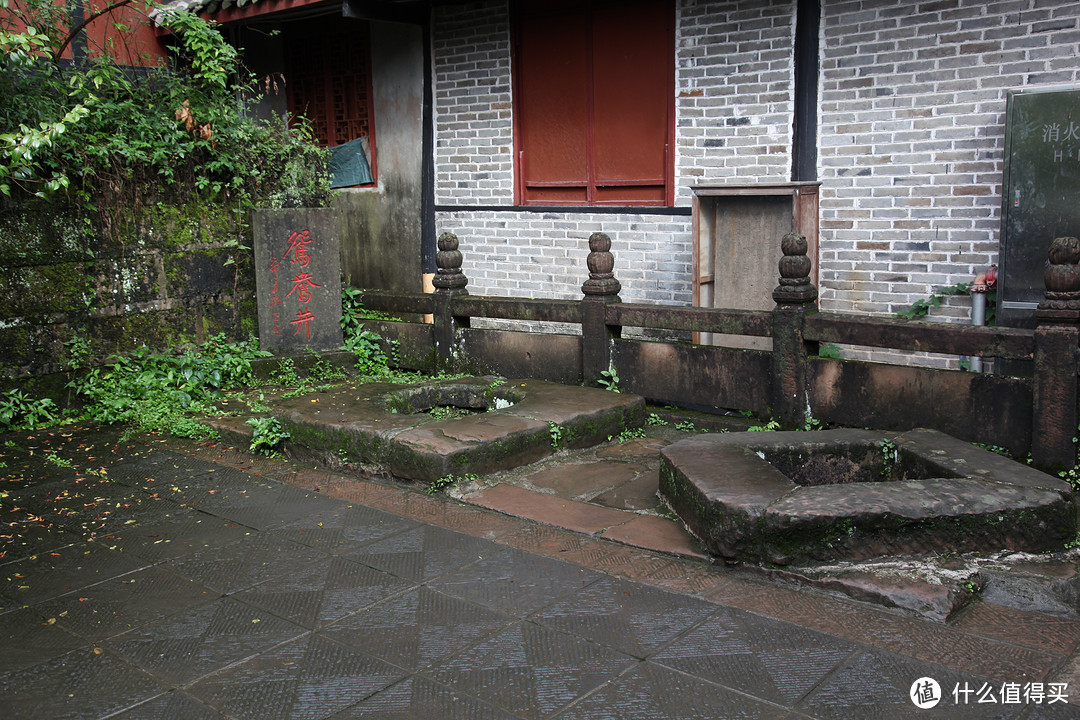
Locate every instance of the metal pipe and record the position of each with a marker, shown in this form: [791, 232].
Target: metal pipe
[979, 288]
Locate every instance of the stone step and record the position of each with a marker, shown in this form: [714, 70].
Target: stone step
[795, 498]
[511, 423]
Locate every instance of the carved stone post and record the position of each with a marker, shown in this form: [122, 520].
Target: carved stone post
[795, 297]
[449, 281]
[600, 289]
[1054, 424]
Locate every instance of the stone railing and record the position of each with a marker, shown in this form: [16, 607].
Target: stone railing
[1036, 414]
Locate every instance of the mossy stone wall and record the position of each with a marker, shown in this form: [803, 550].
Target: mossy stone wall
[156, 276]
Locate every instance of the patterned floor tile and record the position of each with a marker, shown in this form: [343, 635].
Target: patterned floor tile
[87, 683]
[417, 698]
[876, 684]
[530, 670]
[262, 505]
[418, 628]
[174, 705]
[29, 639]
[157, 466]
[63, 570]
[438, 511]
[629, 617]
[126, 602]
[23, 534]
[309, 679]
[245, 562]
[1054, 634]
[343, 528]
[768, 659]
[651, 692]
[515, 582]
[324, 592]
[175, 537]
[422, 553]
[192, 644]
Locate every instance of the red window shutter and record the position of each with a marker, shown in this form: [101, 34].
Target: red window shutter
[553, 107]
[594, 102]
[631, 88]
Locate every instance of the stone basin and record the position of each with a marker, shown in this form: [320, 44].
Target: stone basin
[505, 423]
[802, 497]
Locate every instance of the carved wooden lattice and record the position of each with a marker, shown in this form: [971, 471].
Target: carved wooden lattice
[328, 81]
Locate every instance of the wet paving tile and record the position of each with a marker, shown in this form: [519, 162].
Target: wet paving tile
[24, 534]
[242, 563]
[772, 660]
[875, 684]
[530, 670]
[257, 504]
[126, 602]
[174, 705]
[311, 678]
[515, 582]
[354, 490]
[923, 640]
[1056, 634]
[176, 536]
[422, 553]
[195, 643]
[417, 698]
[652, 692]
[156, 466]
[63, 570]
[450, 515]
[418, 628]
[87, 683]
[629, 617]
[28, 639]
[325, 591]
[342, 528]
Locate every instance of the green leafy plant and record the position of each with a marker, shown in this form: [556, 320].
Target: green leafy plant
[890, 456]
[114, 140]
[167, 391]
[609, 379]
[353, 312]
[555, 432]
[19, 411]
[771, 426]
[371, 359]
[285, 373]
[923, 306]
[324, 371]
[449, 481]
[627, 434]
[267, 436]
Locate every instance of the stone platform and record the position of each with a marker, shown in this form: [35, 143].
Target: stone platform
[512, 423]
[787, 498]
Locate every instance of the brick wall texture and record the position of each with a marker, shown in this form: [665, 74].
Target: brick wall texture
[910, 137]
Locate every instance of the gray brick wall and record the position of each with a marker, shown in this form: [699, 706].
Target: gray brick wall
[734, 83]
[912, 137]
[474, 137]
[542, 255]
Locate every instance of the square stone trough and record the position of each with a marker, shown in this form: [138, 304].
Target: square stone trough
[511, 423]
[803, 497]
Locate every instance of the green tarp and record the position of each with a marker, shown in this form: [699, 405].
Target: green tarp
[349, 165]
